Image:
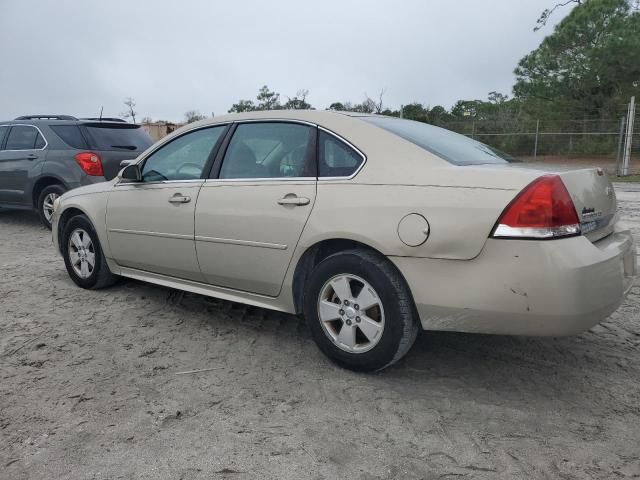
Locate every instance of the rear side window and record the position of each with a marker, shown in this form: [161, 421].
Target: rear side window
[71, 135]
[118, 138]
[450, 146]
[40, 143]
[337, 159]
[24, 137]
[3, 132]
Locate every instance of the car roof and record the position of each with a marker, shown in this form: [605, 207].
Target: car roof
[312, 116]
[61, 120]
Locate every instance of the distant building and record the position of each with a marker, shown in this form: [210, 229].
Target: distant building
[160, 129]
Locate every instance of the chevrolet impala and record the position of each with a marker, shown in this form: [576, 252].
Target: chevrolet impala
[372, 227]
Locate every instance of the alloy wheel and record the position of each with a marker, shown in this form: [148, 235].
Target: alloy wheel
[47, 205]
[82, 253]
[351, 313]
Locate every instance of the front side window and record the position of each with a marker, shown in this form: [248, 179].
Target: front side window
[24, 137]
[270, 150]
[183, 158]
[336, 159]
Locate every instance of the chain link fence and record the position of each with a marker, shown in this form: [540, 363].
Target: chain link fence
[585, 142]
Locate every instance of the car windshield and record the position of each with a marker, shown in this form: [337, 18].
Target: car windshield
[120, 138]
[448, 145]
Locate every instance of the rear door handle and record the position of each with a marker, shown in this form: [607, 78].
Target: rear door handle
[293, 200]
[178, 198]
[32, 156]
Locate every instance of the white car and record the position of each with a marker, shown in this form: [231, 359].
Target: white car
[370, 226]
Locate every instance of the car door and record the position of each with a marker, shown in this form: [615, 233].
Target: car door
[250, 215]
[150, 223]
[23, 152]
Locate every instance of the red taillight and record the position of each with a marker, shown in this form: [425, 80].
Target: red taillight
[90, 163]
[544, 209]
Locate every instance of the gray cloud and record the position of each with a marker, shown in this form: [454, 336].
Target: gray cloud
[173, 56]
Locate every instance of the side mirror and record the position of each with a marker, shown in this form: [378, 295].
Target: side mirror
[126, 163]
[131, 173]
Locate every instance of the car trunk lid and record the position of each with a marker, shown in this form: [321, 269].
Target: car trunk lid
[592, 193]
[594, 198]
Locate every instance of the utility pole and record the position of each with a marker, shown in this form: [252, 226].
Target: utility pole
[629, 136]
[620, 147]
[535, 145]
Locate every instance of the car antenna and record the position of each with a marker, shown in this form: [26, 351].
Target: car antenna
[101, 108]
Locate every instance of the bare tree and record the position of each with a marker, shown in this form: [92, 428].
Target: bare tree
[193, 116]
[547, 12]
[302, 94]
[299, 102]
[373, 105]
[130, 112]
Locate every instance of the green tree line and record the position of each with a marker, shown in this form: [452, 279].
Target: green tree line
[580, 78]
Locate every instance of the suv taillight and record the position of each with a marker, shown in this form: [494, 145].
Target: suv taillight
[90, 163]
[542, 210]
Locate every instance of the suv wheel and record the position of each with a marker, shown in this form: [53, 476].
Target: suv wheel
[45, 203]
[360, 310]
[83, 256]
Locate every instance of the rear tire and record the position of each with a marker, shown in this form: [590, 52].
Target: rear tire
[376, 322]
[83, 255]
[45, 203]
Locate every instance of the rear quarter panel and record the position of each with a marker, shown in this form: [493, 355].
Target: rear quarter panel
[460, 218]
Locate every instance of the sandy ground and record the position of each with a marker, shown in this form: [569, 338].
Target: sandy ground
[89, 389]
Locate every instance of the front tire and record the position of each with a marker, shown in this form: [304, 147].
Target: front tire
[360, 310]
[45, 203]
[83, 255]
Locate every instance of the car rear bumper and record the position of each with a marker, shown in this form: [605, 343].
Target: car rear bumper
[522, 287]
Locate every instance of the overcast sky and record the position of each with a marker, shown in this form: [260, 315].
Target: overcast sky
[171, 56]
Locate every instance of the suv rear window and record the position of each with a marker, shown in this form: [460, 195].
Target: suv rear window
[448, 145]
[123, 138]
[71, 135]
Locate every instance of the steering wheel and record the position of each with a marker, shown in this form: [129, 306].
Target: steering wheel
[152, 176]
[192, 165]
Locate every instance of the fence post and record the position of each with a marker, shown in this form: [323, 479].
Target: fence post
[535, 145]
[570, 144]
[629, 137]
[620, 145]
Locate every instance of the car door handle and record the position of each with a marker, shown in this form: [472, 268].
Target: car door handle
[293, 200]
[32, 156]
[177, 198]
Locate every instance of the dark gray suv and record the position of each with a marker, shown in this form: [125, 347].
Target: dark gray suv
[43, 156]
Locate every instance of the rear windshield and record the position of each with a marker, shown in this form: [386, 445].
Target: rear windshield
[448, 145]
[118, 138]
